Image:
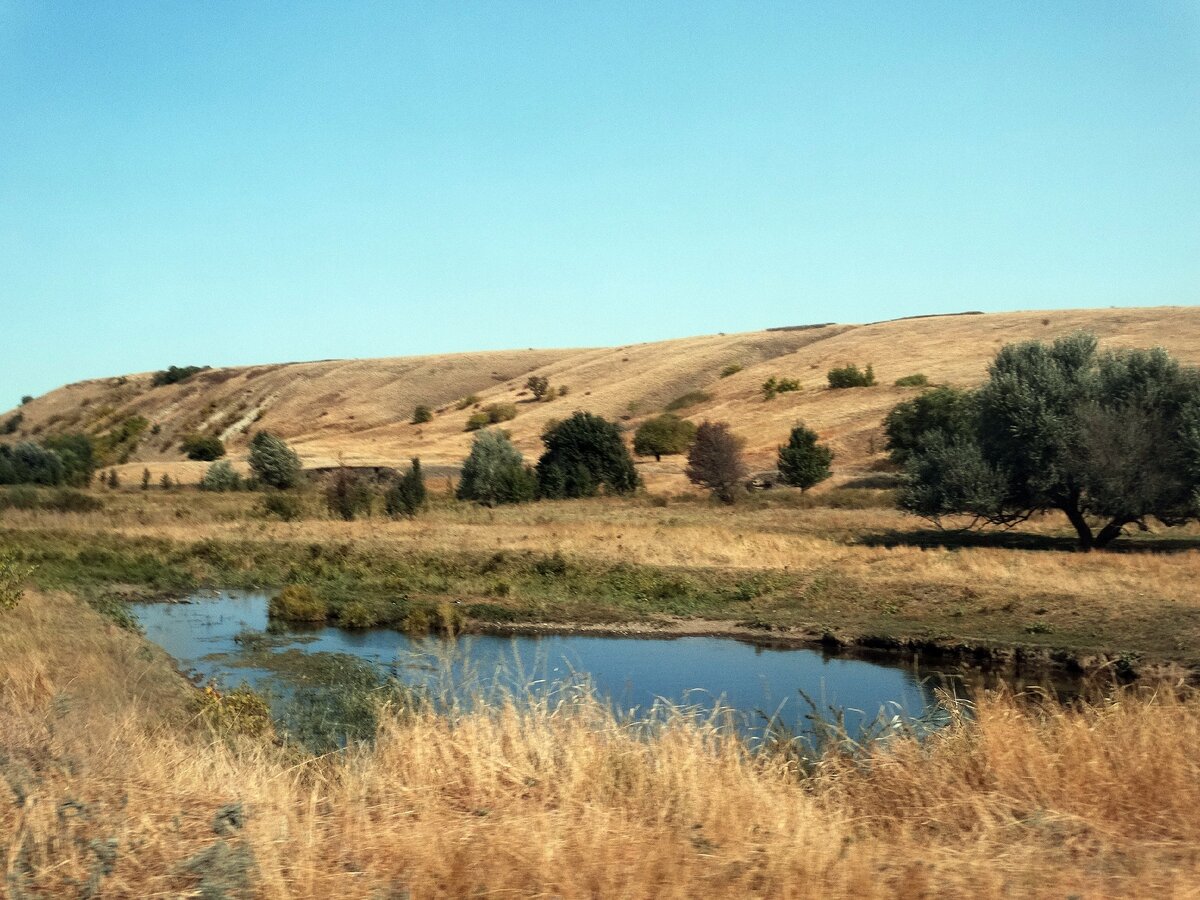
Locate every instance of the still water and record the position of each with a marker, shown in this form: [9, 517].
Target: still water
[629, 673]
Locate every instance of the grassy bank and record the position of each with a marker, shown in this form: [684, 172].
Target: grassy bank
[112, 786]
[769, 567]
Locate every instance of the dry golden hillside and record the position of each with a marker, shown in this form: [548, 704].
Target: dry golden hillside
[358, 411]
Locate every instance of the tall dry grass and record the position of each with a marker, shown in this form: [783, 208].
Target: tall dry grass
[108, 788]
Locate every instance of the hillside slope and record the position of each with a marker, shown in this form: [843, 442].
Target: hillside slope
[358, 411]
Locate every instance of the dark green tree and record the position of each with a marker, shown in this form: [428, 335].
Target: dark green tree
[715, 461]
[495, 472]
[851, 376]
[146, 479]
[584, 453]
[273, 462]
[946, 409]
[539, 386]
[1109, 439]
[30, 463]
[348, 494]
[78, 454]
[663, 435]
[422, 414]
[802, 461]
[407, 495]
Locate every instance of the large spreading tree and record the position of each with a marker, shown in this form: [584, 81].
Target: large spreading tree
[1109, 438]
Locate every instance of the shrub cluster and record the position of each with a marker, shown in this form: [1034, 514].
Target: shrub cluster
[407, 494]
[421, 415]
[691, 398]
[492, 414]
[851, 376]
[219, 477]
[202, 447]
[175, 374]
[773, 386]
[916, 380]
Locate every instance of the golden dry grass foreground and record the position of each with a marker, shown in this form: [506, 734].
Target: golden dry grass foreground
[359, 411]
[110, 788]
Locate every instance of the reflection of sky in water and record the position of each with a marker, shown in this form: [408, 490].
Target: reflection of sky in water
[629, 672]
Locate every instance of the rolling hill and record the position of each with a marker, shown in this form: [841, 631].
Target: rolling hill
[359, 411]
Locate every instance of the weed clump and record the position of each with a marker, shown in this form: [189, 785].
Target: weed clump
[241, 711]
[298, 603]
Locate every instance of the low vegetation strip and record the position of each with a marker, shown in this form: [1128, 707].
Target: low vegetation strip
[933, 600]
[121, 782]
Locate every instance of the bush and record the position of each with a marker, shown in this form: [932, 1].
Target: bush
[584, 453]
[241, 711]
[298, 603]
[715, 461]
[469, 400]
[78, 454]
[282, 506]
[802, 461]
[273, 462]
[917, 380]
[348, 494]
[30, 463]
[26, 399]
[476, 421]
[851, 376]
[12, 423]
[12, 578]
[663, 435]
[407, 495]
[495, 472]
[691, 398]
[203, 447]
[773, 386]
[219, 477]
[175, 374]
[731, 369]
[421, 415]
[500, 412]
[539, 386]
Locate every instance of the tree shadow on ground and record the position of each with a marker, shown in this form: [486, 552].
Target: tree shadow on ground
[1018, 540]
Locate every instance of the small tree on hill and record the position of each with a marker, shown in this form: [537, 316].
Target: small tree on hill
[422, 414]
[663, 435]
[539, 386]
[407, 495]
[273, 462]
[220, 477]
[715, 461]
[145, 479]
[495, 472]
[584, 453]
[802, 461]
[945, 409]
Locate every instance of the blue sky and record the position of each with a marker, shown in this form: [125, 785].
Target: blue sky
[233, 182]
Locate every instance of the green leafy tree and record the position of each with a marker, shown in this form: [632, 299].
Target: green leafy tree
[945, 409]
[407, 495]
[495, 472]
[203, 447]
[273, 462]
[802, 461]
[422, 414]
[663, 435]
[1109, 439]
[584, 453]
[26, 399]
[715, 461]
[219, 477]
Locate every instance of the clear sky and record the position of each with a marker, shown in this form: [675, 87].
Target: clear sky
[235, 182]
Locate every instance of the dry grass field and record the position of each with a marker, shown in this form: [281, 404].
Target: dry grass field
[358, 411]
[111, 787]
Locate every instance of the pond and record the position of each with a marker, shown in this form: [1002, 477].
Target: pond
[224, 636]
